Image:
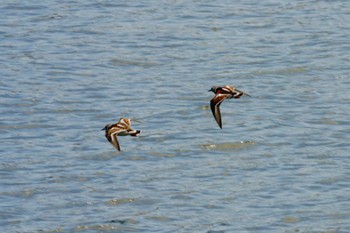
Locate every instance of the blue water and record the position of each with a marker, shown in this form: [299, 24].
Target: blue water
[280, 164]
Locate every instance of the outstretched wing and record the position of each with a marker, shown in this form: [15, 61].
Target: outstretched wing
[237, 94]
[215, 106]
[124, 123]
[114, 140]
[227, 89]
[112, 136]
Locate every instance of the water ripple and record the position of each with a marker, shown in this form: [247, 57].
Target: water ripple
[280, 163]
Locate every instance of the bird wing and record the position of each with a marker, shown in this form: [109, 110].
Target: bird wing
[124, 123]
[240, 93]
[227, 89]
[215, 106]
[114, 140]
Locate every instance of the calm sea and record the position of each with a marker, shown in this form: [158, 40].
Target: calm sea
[281, 163]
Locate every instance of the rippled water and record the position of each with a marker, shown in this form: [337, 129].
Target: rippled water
[280, 163]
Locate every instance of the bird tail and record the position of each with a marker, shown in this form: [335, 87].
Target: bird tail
[135, 133]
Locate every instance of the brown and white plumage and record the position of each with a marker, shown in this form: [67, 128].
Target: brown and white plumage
[222, 93]
[121, 128]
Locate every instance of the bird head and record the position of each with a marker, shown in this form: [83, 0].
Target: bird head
[213, 89]
[106, 127]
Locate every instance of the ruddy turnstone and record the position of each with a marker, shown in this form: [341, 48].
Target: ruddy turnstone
[222, 93]
[122, 128]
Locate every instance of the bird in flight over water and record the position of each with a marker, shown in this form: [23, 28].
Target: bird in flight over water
[121, 128]
[222, 93]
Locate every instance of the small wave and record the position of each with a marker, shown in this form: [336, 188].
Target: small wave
[229, 145]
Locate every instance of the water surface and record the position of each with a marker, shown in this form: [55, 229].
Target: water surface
[280, 163]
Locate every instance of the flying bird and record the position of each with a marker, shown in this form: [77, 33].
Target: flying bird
[222, 93]
[121, 128]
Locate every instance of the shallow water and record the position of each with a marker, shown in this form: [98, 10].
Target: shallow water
[280, 163]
